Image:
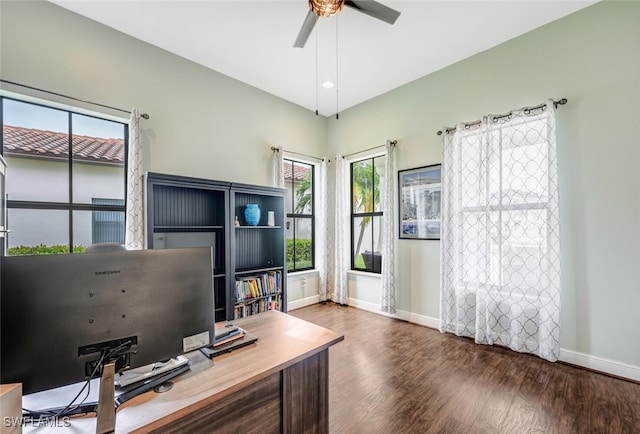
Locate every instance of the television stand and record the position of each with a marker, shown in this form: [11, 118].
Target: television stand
[106, 416]
[157, 376]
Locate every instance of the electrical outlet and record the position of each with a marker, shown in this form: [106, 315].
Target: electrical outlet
[303, 282]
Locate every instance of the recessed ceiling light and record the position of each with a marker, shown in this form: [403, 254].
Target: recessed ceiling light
[328, 84]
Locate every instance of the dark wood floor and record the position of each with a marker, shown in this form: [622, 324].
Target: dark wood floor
[390, 376]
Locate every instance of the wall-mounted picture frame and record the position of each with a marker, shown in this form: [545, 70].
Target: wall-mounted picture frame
[420, 202]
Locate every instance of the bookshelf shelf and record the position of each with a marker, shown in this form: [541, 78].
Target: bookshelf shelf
[189, 228]
[256, 270]
[251, 300]
[258, 227]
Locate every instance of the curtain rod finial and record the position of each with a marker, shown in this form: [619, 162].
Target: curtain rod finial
[439, 133]
[145, 116]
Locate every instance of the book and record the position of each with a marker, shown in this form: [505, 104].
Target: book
[237, 334]
[224, 329]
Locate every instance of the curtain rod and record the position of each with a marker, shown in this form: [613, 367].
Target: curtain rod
[562, 101]
[143, 115]
[274, 149]
[392, 142]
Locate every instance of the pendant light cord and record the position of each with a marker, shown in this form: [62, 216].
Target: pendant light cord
[337, 86]
[316, 84]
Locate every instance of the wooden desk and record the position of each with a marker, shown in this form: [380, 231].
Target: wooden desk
[278, 384]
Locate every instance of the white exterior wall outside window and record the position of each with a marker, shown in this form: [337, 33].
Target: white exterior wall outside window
[28, 227]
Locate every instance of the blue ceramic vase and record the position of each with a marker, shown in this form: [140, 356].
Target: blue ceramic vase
[252, 214]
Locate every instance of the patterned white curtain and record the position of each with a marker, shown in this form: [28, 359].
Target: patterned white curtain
[322, 236]
[388, 297]
[500, 243]
[278, 168]
[134, 234]
[341, 234]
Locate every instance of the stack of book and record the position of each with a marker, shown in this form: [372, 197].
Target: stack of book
[227, 338]
[225, 333]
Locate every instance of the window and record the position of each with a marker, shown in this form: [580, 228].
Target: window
[366, 213]
[59, 162]
[299, 205]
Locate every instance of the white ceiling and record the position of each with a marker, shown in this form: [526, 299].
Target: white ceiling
[252, 41]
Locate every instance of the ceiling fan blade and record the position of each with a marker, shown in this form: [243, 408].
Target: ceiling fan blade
[374, 9]
[305, 31]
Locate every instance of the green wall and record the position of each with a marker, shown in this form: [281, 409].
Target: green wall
[592, 58]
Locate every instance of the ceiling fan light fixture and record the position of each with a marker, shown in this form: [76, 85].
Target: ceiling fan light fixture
[326, 8]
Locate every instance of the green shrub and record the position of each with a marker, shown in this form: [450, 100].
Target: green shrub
[303, 254]
[42, 249]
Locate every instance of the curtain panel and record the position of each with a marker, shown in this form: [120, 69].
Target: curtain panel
[278, 168]
[322, 235]
[500, 243]
[134, 233]
[341, 233]
[389, 193]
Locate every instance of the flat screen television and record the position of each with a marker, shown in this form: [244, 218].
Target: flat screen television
[62, 314]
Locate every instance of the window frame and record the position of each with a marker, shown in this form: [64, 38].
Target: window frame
[294, 216]
[355, 215]
[69, 206]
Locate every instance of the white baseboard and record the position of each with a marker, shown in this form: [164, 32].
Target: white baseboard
[293, 305]
[606, 366]
[415, 318]
[426, 321]
[375, 308]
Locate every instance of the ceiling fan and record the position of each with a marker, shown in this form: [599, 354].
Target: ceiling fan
[327, 8]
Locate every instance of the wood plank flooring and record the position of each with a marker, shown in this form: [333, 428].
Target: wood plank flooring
[390, 376]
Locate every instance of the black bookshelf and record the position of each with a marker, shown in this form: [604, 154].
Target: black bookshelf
[190, 212]
[258, 250]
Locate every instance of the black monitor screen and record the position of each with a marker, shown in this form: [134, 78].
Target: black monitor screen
[59, 313]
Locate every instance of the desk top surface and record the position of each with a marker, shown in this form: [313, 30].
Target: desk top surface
[283, 340]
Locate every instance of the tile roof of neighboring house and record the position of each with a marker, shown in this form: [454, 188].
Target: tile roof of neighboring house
[297, 172]
[32, 143]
